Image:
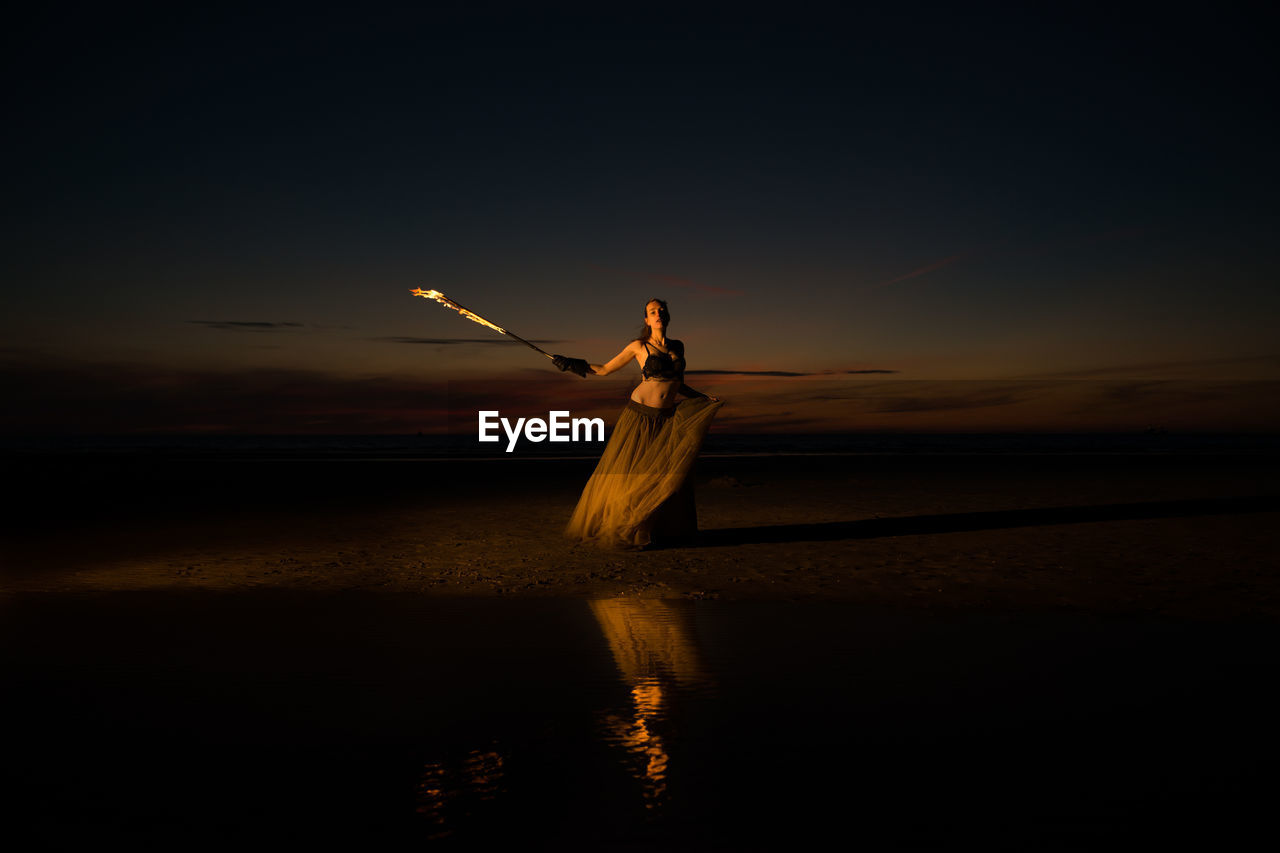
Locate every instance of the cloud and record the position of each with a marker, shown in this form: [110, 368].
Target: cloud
[745, 373]
[928, 268]
[1150, 395]
[1203, 368]
[783, 373]
[245, 325]
[67, 398]
[1050, 246]
[48, 395]
[923, 396]
[785, 421]
[942, 402]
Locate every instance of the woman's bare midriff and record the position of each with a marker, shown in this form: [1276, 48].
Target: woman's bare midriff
[656, 393]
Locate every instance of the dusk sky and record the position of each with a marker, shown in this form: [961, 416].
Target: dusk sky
[920, 219]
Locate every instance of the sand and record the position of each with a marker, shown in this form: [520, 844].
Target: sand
[1189, 536]
[1027, 651]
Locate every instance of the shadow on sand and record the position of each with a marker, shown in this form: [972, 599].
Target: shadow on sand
[917, 525]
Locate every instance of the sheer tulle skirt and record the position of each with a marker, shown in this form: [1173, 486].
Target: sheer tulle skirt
[640, 491]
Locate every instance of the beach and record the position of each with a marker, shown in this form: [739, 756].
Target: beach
[1184, 535]
[1028, 650]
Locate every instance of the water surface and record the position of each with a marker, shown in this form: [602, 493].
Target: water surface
[198, 716]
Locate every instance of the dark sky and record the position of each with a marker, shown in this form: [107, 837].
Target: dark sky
[1053, 218]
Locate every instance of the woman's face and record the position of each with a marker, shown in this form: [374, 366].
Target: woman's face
[656, 316]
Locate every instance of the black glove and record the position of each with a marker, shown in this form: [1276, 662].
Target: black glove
[572, 365]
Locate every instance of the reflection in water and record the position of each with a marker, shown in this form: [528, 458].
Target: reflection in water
[447, 795]
[481, 721]
[655, 654]
[652, 646]
[649, 755]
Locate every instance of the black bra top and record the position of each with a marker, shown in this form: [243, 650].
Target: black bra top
[661, 365]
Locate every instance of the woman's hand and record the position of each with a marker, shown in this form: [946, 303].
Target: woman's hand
[572, 365]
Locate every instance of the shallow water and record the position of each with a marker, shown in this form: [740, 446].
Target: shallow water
[201, 716]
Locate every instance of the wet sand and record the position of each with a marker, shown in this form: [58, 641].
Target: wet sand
[208, 718]
[1187, 536]
[909, 651]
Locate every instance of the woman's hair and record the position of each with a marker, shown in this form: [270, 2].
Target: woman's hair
[645, 331]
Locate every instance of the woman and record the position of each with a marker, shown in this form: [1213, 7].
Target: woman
[640, 494]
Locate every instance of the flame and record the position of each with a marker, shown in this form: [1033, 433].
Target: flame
[449, 303]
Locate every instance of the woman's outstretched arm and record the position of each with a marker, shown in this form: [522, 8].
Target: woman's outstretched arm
[618, 362]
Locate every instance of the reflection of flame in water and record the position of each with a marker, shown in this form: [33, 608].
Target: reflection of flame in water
[449, 303]
[650, 647]
[638, 739]
[447, 794]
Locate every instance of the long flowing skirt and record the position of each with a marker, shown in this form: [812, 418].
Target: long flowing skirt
[640, 491]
